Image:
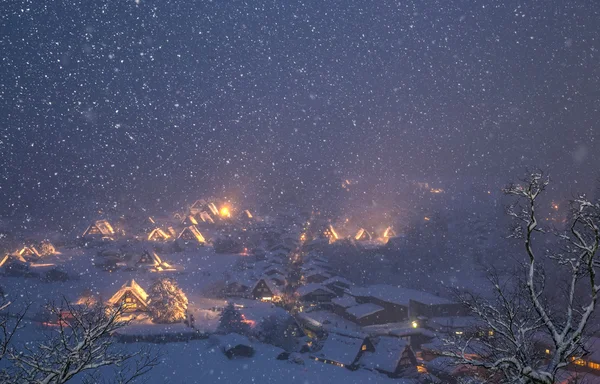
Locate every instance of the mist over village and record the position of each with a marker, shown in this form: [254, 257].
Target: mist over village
[299, 192]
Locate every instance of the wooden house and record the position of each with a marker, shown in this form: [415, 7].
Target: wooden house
[151, 260]
[315, 293]
[29, 252]
[389, 232]
[366, 314]
[205, 217]
[392, 356]
[337, 284]
[191, 234]
[101, 229]
[132, 297]
[343, 350]
[189, 220]
[315, 276]
[158, 234]
[8, 259]
[362, 235]
[266, 290]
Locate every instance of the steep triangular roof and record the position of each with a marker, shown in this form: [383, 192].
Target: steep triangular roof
[134, 289]
[29, 251]
[198, 204]
[362, 234]
[100, 227]
[12, 258]
[191, 233]
[189, 220]
[206, 217]
[389, 232]
[158, 234]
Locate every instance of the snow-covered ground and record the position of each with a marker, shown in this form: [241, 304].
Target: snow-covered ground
[202, 268]
[201, 361]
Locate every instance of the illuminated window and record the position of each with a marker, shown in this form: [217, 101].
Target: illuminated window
[363, 348]
[490, 333]
[593, 365]
[580, 362]
[128, 300]
[459, 332]
[547, 351]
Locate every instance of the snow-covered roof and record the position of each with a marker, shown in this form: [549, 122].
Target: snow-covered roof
[592, 345]
[132, 287]
[270, 284]
[313, 287]
[387, 355]
[344, 301]
[339, 348]
[337, 279]
[362, 310]
[398, 295]
[445, 365]
[231, 340]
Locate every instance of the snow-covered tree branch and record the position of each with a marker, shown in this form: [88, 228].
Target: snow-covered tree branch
[79, 347]
[521, 315]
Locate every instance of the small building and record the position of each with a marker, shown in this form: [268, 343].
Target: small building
[101, 229]
[266, 290]
[13, 259]
[392, 356]
[365, 314]
[152, 261]
[315, 293]
[47, 248]
[316, 276]
[363, 235]
[235, 345]
[337, 284]
[132, 297]
[29, 252]
[189, 220]
[341, 303]
[589, 362]
[191, 234]
[389, 232]
[343, 350]
[158, 234]
[205, 217]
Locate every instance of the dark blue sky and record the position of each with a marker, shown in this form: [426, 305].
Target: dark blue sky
[113, 101]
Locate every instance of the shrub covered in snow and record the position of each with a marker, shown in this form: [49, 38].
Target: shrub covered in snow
[168, 303]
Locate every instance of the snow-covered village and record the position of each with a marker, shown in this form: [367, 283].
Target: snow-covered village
[299, 192]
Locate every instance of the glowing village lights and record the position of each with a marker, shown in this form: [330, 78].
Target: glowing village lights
[224, 212]
[414, 324]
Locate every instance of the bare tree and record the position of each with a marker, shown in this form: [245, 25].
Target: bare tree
[522, 312]
[9, 324]
[81, 345]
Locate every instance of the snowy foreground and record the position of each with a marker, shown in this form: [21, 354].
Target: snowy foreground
[201, 361]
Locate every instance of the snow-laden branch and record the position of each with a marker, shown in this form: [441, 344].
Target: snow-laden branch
[520, 316]
[82, 344]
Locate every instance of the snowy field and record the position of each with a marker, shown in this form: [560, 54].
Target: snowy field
[202, 362]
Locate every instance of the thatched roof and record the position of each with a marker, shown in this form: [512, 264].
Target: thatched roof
[134, 289]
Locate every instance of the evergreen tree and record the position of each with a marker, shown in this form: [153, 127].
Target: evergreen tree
[168, 303]
[232, 321]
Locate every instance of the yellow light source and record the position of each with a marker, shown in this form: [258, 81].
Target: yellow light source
[224, 212]
[415, 324]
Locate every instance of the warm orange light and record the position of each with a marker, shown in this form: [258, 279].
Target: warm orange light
[427, 218]
[224, 212]
[436, 190]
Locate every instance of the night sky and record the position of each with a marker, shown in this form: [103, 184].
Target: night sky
[156, 103]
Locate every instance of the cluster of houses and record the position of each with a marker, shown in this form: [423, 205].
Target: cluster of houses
[384, 328]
